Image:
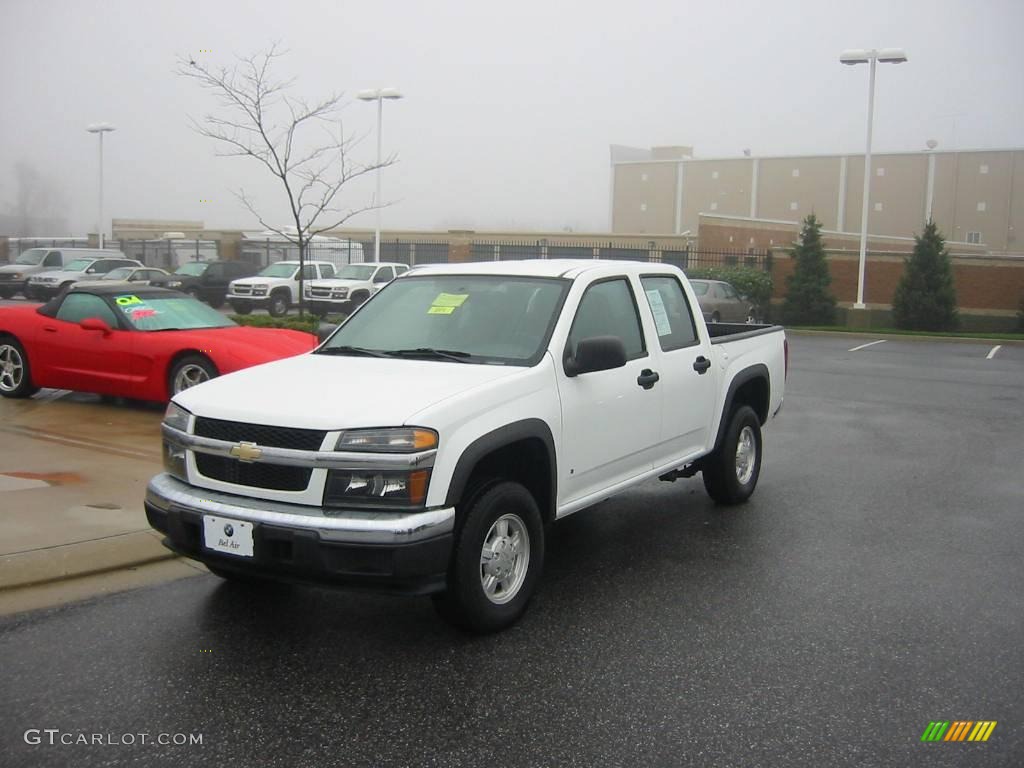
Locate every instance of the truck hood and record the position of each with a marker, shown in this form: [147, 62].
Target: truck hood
[8, 269]
[336, 392]
[256, 280]
[336, 283]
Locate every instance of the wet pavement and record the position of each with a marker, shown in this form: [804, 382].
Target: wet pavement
[873, 584]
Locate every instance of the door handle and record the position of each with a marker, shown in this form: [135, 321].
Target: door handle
[701, 365]
[647, 378]
[49, 329]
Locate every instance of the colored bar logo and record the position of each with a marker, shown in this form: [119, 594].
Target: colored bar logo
[958, 730]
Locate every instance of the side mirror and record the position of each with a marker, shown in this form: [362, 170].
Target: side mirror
[597, 353]
[95, 324]
[324, 330]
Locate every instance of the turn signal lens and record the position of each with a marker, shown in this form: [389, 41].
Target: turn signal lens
[397, 440]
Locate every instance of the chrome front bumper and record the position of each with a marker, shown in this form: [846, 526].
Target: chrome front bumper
[166, 493]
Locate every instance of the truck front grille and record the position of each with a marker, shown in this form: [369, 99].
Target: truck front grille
[273, 476]
[257, 475]
[261, 434]
[241, 290]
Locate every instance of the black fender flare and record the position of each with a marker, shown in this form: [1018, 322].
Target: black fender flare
[757, 371]
[492, 441]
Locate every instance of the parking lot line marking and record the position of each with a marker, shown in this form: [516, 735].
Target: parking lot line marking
[992, 352]
[869, 344]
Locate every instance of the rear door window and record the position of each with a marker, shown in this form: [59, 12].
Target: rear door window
[53, 259]
[673, 317]
[326, 270]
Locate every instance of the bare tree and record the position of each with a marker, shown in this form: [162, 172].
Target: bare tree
[37, 204]
[261, 120]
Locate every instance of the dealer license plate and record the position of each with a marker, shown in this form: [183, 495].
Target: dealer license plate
[223, 534]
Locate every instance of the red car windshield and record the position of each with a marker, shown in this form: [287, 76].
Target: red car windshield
[167, 313]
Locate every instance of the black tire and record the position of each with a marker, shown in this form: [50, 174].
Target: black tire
[465, 603]
[195, 365]
[278, 304]
[15, 373]
[6, 293]
[716, 318]
[358, 298]
[242, 307]
[194, 293]
[723, 481]
[216, 302]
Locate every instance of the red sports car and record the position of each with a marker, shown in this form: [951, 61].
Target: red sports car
[137, 342]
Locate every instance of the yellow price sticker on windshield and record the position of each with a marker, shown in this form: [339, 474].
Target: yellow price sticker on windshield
[450, 299]
[125, 301]
[436, 310]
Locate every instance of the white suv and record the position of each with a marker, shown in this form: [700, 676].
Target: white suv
[276, 288]
[351, 286]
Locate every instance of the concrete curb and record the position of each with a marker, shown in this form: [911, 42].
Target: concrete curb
[905, 337]
[82, 558]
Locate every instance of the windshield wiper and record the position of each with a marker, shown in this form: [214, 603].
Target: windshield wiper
[347, 350]
[438, 354]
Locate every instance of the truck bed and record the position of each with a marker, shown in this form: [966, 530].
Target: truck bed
[723, 332]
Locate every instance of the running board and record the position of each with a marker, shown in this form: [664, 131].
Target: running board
[688, 471]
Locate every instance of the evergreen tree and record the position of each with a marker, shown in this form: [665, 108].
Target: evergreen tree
[808, 299]
[925, 298]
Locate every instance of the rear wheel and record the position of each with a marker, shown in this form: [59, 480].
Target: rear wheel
[730, 473]
[15, 376]
[278, 306]
[188, 371]
[497, 559]
[242, 307]
[358, 298]
[216, 302]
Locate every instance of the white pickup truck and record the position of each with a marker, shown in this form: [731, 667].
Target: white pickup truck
[351, 286]
[428, 443]
[276, 287]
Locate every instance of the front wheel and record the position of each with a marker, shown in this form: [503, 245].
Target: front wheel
[15, 376]
[497, 559]
[278, 306]
[730, 473]
[189, 371]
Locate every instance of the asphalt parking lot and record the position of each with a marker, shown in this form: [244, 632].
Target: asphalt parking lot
[873, 584]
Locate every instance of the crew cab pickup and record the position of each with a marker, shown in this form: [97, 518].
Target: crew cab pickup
[428, 443]
[351, 286]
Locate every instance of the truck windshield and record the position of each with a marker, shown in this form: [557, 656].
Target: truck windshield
[168, 313]
[494, 319]
[280, 269]
[32, 257]
[355, 272]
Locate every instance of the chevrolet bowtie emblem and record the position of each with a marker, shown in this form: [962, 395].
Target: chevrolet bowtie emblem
[246, 451]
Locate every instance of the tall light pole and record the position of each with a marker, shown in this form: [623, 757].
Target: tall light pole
[100, 128]
[872, 57]
[378, 95]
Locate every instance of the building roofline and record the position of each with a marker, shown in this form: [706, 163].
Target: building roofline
[837, 156]
[826, 231]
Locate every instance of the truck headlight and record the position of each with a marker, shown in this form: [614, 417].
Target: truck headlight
[399, 488]
[394, 440]
[173, 453]
[174, 283]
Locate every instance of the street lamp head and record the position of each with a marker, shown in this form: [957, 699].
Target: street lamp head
[100, 128]
[373, 94]
[892, 55]
[855, 56]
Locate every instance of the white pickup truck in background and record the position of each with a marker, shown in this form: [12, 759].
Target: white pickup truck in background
[276, 287]
[351, 286]
[427, 445]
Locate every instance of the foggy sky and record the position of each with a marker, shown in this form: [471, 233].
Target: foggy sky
[509, 109]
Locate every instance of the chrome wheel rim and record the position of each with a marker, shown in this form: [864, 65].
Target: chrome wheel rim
[12, 368]
[504, 559]
[746, 455]
[279, 306]
[189, 376]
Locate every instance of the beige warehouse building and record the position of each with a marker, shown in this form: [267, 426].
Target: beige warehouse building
[975, 196]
